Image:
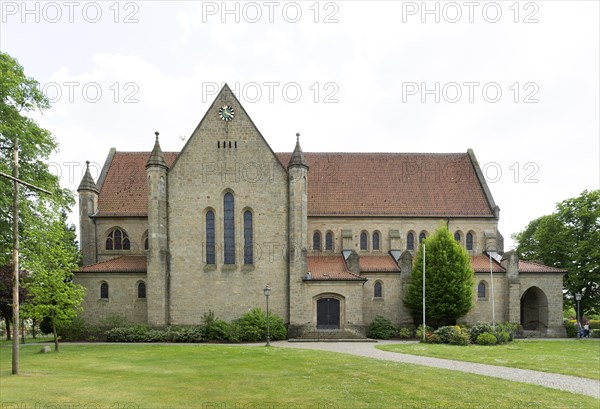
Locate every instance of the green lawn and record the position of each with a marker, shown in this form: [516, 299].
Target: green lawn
[568, 357]
[221, 376]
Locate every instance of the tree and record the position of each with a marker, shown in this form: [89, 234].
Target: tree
[6, 296]
[449, 280]
[20, 95]
[569, 238]
[52, 256]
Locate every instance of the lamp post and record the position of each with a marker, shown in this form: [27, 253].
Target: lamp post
[578, 298]
[267, 291]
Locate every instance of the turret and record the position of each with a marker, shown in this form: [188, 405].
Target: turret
[157, 270]
[88, 204]
[298, 230]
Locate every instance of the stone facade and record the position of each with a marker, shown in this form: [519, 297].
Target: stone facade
[208, 228]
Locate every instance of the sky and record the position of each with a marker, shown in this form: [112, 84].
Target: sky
[517, 82]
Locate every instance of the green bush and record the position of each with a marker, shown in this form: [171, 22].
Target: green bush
[478, 329]
[595, 333]
[444, 333]
[214, 329]
[78, 330]
[594, 324]
[419, 332]
[432, 338]
[381, 328]
[135, 333]
[503, 337]
[571, 328]
[405, 333]
[509, 327]
[253, 326]
[486, 338]
[460, 337]
[186, 334]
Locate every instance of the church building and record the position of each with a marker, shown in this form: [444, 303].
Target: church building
[168, 236]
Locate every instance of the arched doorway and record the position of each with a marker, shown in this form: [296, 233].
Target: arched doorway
[328, 313]
[534, 310]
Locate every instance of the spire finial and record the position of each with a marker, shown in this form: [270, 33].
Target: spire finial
[156, 133]
[87, 164]
[297, 136]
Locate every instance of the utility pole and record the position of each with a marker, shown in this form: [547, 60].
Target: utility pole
[15, 251]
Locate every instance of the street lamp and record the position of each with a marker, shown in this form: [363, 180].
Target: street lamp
[578, 298]
[267, 291]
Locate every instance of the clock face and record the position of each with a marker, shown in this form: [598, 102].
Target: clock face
[226, 113]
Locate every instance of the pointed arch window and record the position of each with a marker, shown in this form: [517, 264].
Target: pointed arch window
[118, 240]
[146, 246]
[457, 237]
[248, 244]
[329, 241]
[376, 241]
[317, 241]
[210, 237]
[422, 237]
[104, 291]
[481, 290]
[410, 241]
[363, 241]
[141, 290]
[228, 229]
[469, 241]
[378, 290]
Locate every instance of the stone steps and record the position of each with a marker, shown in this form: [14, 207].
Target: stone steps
[330, 336]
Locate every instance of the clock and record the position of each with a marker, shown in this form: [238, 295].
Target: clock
[226, 113]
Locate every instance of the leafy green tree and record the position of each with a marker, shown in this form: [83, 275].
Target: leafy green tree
[449, 280]
[569, 238]
[19, 96]
[6, 296]
[52, 256]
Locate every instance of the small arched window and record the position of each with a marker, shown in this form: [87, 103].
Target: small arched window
[457, 237]
[481, 290]
[329, 241]
[410, 241]
[146, 247]
[378, 289]
[317, 241]
[363, 241]
[104, 291]
[117, 240]
[248, 244]
[210, 237]
[229, 232]
[141, 288]
[469, 241]
[422, 237]
[376, 241]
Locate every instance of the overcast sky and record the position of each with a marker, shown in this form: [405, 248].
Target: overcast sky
[518, 82]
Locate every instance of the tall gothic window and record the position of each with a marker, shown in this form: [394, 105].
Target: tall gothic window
[378, 290]
[422, 237]
[329, 241]
[481, 290]
[363, 241]
[117, 240]
[317, 241]
[248, 244]
[376, 241]
[410, 241]
[210, 237]
[104, 290]
[457, 237]
[228, 229]
[141, 290]
[469, 241]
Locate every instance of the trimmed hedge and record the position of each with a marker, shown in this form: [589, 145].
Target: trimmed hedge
[381, 328]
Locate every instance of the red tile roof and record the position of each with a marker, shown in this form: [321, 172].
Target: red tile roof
[339, 184]
[377, 263]
[393, 184]
[532, 267]
[125, 191]
[331, 268]
[481, 264]
[122, 264]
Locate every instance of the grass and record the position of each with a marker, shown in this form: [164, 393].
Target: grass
[222, 376]
[568, 357]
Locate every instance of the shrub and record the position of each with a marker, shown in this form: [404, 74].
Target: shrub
[432, 338]
[381, 328]
[253, 326]
[214, 329]
[78, 330]
[486, 338]
[571, 328]
[594, 324]
[186, 334]
[114, 320]
[595, 333]
[419, 332]
[405, 333]
[134, 333]
[509, 327]
[503, 337]
[460, 336]
[478, 329]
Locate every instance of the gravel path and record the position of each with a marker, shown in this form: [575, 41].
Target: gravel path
[583, 386]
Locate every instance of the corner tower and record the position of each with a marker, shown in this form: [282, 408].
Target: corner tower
[88, 204]
[298, 230]
[158, 254]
